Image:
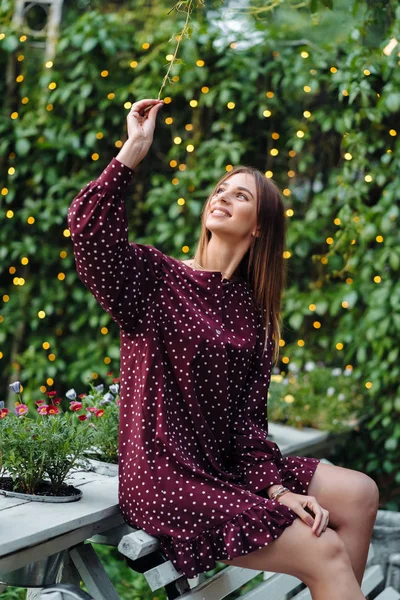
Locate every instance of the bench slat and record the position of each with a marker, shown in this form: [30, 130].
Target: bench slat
[273, 588]
[373, 576]
[388, 594]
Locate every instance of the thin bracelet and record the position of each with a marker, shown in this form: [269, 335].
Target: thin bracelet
[279, 492]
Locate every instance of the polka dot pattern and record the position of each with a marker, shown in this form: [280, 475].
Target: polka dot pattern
[194, 455]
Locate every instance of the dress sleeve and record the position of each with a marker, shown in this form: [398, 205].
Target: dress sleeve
[121, 275]
[255, 456]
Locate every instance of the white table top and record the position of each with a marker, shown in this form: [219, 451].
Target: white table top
[24, 524]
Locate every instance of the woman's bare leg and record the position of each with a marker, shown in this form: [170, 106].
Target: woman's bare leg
[322, 563]
[352, 499]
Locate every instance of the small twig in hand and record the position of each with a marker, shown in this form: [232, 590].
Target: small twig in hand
[180, 36]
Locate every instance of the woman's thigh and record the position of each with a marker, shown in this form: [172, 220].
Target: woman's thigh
[344, 493]
[298, 552]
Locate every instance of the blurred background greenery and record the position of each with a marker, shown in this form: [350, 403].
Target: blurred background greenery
[310, 95]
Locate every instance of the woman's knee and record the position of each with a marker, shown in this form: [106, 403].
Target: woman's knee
[364, 495]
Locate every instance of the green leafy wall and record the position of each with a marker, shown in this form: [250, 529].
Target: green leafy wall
[338, 165]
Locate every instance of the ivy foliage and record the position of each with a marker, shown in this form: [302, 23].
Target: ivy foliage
[309, 96]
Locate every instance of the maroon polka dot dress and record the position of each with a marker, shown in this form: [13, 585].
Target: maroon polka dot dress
[194, 458]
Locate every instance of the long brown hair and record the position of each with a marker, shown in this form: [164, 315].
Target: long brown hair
[263, 265]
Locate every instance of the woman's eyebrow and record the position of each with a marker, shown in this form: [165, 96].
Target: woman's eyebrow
[240, 188]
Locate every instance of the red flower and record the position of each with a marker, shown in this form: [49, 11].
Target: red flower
[51, 393]
[52, 410]
[82, 417]
[21, 409]
[92, 409]
[100, 412]
[56, 401]
[3, 413]
[39, 402]
[81, 395]
[116, 380]
[42, 410]
[75, 406]
[109, 373]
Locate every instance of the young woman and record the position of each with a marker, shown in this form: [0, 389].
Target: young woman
[198, 339]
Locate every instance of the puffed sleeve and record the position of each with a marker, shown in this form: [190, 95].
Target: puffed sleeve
[123, 276]
[254, 455]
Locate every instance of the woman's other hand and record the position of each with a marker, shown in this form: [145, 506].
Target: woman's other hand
[298, 503]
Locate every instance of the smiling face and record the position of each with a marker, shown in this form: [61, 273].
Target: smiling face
[237, 197]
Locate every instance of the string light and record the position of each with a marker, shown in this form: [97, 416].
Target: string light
[52, 85]
[177, 140]
[368, 178]
[133, 64]
[274, 152]
[185, 249]
[317, 324]
[287, 254]
[14, 115]
[286, 192]
[339, 346]
[275, 136]
[66, 233]
[345, 92]
[104, 330]
[111, 96]
[11, 171]
[377, 279]
[269, 174]
[300, 133]
[304, 54]
[392, 132]
[181, 201]
[19, 78]
[173, 163]
[329, 240]
[307, 114]
[285, 359]
[228, 168]
[349, 281]
[189, 127]
[368, 385]
[145, 46]
[379, 239]
[367, 72]
[270, 94]
[104, 73]
[307, 89]
[189, 148]
[200, 63]
[20, 58]
[312, 307]
[205, 89]
[49, 107]
[61, 276]
[167, 100]
[267, 113]
[23, 38]
[169, 57]
[41, 314]
[169, 120]
[345, 304]
[182, 167]
[193, 103]
[292, 153]
[175, 181]
[282, 343]
[290, 212]
[95, 156]
[300, 342]
[291, 173]
[333, 70]
[348, 156]
[231, 105]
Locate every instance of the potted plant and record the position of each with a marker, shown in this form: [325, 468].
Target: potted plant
[101, 410]
[38, 449]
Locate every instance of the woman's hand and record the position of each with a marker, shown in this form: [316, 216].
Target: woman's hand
[298, 502]
[141, 121]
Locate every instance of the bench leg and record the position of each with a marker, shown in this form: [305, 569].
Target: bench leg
[92, 572]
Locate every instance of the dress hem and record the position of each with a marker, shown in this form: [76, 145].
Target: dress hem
[251, 530]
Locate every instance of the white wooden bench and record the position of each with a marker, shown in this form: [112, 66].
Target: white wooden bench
[143, 554]
[274, 586]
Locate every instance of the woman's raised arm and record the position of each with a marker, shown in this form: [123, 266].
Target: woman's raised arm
[121, 275]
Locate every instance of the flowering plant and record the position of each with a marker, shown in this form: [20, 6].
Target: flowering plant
[316, 396]
[101, 410]
[41, 447]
